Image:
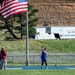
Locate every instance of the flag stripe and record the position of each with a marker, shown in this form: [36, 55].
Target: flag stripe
[18, 6]
[13, 4]
[13, 7]
[16, 12]
[13, 10]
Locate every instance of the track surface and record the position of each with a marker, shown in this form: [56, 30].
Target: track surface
[39, 67]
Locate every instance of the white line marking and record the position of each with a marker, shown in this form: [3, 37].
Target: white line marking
[70, 68]
[13, 68]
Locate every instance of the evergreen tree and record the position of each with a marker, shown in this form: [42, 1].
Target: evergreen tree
[16, 24]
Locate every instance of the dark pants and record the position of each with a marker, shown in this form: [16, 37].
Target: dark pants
[44, 62]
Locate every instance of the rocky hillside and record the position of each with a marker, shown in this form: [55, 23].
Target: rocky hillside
[58, 13]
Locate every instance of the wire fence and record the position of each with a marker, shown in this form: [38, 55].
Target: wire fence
[52, 59]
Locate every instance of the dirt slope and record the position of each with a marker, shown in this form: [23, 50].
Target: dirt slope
[55, 13]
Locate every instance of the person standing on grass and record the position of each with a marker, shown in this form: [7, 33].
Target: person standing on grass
[44, 57]
[3, 58]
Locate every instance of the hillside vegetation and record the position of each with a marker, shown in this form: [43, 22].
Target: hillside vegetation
[53, 46]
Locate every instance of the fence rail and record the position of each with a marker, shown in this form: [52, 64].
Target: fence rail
[56, 59]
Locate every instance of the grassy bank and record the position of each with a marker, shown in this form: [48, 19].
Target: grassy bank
[53, 46]
[37, 72]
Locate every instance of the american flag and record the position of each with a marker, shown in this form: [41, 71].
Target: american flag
[11, 7]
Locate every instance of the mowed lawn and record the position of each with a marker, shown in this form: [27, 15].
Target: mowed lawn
[37, 72]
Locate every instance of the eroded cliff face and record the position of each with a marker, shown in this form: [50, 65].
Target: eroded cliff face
[55, 13]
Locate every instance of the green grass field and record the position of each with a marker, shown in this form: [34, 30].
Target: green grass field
[37, 72]
[53, 46]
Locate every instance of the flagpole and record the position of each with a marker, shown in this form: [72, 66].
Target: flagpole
[27, 48]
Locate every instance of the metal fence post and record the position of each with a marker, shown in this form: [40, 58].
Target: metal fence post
[12, 60]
